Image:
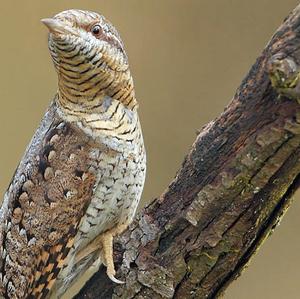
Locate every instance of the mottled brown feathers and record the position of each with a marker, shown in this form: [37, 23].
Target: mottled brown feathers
[43, 220]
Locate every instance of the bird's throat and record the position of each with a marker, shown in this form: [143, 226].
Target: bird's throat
[111, 123]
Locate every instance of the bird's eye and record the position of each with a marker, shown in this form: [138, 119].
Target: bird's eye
[96, 29]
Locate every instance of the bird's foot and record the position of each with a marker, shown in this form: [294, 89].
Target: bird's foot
[105, 241]
[107, 256]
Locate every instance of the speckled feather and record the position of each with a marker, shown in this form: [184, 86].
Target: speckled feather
[83, 173]
[44, 203]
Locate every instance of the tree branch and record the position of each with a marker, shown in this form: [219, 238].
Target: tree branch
[230, 193]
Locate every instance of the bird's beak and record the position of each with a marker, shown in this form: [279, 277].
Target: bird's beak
[57, 27]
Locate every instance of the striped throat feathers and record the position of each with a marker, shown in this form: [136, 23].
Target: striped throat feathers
[95, 86]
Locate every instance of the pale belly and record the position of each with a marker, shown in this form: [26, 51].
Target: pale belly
[115, 199]
[120, 170]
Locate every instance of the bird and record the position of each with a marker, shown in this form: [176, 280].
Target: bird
[81, 177]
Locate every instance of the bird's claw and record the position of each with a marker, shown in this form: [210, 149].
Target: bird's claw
[110, 271]
[111, 274]
[107, 256]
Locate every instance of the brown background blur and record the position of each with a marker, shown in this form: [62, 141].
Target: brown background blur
[187, 59]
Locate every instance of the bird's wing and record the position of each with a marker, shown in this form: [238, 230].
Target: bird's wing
[49, 194]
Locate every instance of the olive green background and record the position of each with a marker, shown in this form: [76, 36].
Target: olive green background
[187, 58]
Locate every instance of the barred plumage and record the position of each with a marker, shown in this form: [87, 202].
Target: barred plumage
[81, 177]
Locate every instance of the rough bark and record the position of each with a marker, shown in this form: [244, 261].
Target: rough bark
[232, 189]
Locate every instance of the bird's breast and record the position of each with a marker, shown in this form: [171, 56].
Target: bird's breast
[116, 194]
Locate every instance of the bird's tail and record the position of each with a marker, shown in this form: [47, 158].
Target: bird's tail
[73, 272]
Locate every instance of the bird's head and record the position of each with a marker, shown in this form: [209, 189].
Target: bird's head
[90, 60]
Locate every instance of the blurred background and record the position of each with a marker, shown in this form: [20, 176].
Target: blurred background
[187, 59]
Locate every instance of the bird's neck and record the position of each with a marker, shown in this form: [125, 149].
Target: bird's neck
[90, 96]
[85, 81]
[112, 124]
[96, 92]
